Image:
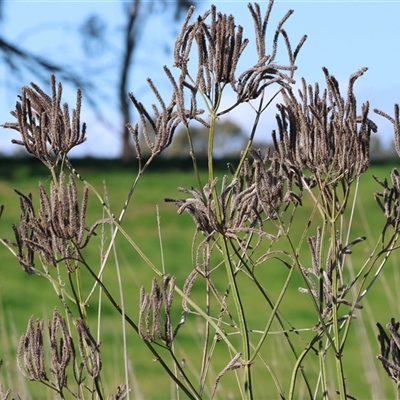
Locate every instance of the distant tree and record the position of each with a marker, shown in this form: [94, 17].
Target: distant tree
[380, 152]
[377, 152]
[19, 60]
[137, 16]
[229, 139]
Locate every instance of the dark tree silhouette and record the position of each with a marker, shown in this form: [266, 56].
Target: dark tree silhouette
[19, 60]
[137, 15]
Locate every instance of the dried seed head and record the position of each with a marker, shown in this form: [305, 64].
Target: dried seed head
[47, 129]
[166, 120]
[389, 199]
[88, 349]
[390, 349]
[264, 189]
[58, 230]
[62, 349]
[324, 133]
[151, 306]
[30, 354]
[396, 125]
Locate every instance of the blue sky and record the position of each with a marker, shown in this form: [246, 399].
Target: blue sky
[342, 36]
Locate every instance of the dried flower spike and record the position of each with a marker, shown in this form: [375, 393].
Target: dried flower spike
[30, 355]
[151, 306]
[47, 130]
[390, 349]
[58, 231]
[62, 349]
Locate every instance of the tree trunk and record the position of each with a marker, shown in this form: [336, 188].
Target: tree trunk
[131, 39]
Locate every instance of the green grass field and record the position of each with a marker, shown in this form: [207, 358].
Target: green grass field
[23, 296]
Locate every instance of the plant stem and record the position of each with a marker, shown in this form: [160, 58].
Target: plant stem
[241, 315]
[222, 240]
[335, 305]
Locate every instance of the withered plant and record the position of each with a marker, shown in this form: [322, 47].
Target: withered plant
[247, 228]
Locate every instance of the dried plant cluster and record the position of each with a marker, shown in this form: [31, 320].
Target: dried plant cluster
[390, 349]
[255, 195]
[58, 232]
[63, 360]
[151, 305]
[324, 133]
[220, 46]
[389, 199]
[48, 131]
[31, 356]
[244, 223]
[52, 234]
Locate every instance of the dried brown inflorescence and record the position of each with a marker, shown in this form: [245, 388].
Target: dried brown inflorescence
[32, 355]
[396, 125]
[389, 200]
[31, 360]
[260, 192]
[47, 129]
[390, 349]
[155, 311]
[58, 231]
[220, 45]
[166, 118]
[323, 133]
[62, 349]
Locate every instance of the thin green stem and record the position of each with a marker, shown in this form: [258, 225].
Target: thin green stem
[297, 365]
[322, 369]
[335, 305]
[259, 112]
[203, 370]
[305, 280]
[210, 159]
[240, 313]
[194, 160]
[227, 260]
[274, 308]
[273, 314]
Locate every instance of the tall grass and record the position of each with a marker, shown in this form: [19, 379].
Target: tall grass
[265, 279]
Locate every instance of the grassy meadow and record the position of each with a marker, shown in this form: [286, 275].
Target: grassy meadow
[23, 296]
